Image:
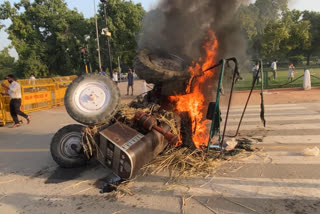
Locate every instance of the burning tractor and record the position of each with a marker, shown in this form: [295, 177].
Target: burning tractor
[175, 112]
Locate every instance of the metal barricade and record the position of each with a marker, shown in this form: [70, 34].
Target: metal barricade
[61, 85]
[36, 94]
[5, 116]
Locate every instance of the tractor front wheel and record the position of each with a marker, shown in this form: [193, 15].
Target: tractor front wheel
[66, 147]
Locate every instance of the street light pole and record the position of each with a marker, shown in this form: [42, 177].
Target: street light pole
[97, 32]
[90, 67]
[108, 41]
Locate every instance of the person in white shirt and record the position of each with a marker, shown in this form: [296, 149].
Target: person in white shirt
[291, 72]
[14, 91]
[32, 80]
[274, 68]
[115, 77]
[32, 77]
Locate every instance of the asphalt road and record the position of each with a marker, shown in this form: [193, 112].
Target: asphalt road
[275, 179]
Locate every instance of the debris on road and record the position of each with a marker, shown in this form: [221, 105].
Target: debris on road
[311, 152]
[230, 144]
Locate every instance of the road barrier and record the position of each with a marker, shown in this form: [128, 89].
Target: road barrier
[61, 85]
[4, 106]
[36, 95]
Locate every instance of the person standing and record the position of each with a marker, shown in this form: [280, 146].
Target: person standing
[130, 82]
[115, 77]
[32, 80]
[32, 77]
[14, 91]
[274, 68]
[102, 72]
[291, 72]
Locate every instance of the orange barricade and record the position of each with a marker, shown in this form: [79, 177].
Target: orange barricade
[61, 85]
[4, 106]
[36, 95]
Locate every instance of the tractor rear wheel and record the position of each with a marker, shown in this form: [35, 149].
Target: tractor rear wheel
[168, 71]
[92, 99]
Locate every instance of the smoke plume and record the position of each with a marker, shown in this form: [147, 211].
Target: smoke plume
[180, 26]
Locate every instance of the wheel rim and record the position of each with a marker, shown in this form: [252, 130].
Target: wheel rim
[71, 144]
[92, 97]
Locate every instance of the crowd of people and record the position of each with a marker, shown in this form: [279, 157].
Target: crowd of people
[274, 69]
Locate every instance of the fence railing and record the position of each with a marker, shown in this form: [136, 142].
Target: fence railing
[36, 95]
[282, 80]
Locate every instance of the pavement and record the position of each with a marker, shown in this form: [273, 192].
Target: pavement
[275, 178]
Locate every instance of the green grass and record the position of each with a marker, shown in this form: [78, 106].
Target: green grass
[282, 78]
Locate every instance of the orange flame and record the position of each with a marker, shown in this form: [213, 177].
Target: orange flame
[194, 101]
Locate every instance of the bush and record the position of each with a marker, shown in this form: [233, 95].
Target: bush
[297, 59]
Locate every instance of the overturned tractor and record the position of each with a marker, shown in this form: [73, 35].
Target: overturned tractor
[124, 138]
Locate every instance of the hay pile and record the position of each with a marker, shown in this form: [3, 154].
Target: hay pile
[185, 162]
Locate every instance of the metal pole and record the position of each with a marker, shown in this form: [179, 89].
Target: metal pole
[262, 115]
[97, 32]
[216, 107]
[86, 68]
[119, 64]
[89, 60]
[266, 78]
[108, 41]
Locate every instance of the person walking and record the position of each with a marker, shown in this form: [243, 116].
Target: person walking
[14, 91]
[291, 72]
[274, 68]
[130, 82]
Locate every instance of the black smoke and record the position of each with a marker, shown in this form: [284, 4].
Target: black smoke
[180, 26]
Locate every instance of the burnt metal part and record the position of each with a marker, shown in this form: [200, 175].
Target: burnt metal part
[111, 185]
[145, 121]
[149, 123]
[162, 69]
[186, 130]
[125, 151]
[211, 113]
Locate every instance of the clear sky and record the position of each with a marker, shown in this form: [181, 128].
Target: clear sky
[86, 7]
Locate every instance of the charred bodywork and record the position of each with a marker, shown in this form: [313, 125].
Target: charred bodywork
[125, 151]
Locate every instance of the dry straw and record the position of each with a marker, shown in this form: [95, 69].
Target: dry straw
[184, 162]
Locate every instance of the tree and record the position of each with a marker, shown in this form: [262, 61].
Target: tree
[7, 64]
[285, 35]
[314, 48]
[124, 22]
[47, 36]
[256, 17]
